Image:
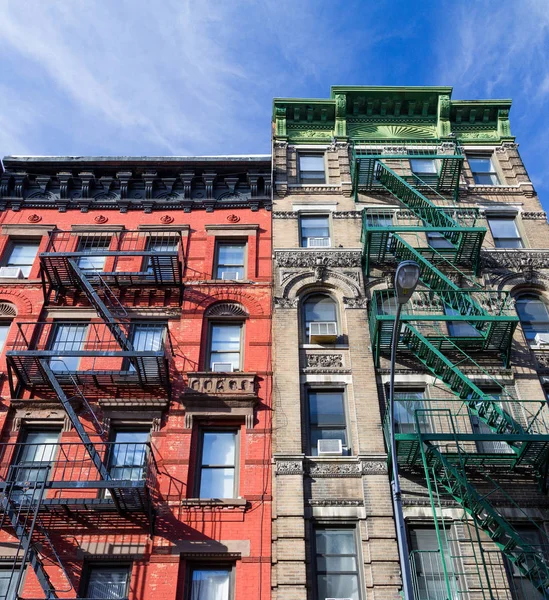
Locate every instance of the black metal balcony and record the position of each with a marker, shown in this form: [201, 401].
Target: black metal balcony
[69, 478]
[87, 359]
[113, 258]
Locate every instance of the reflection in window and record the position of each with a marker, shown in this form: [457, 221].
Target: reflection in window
[423, 166]
[22, 255]
[92, 246]
[210, 584]
[230, 260]
[128, 453]
[459, 328]
[483, 170]
[505, 233]
[67, 337]
[533, 313]
[319, 308]
[428, 570]
[218, 464]
[225, 347]
[160, 245]
[311, 168]
[315, 231]
[336, 563]
[326, 419]
[480, 427]
[4, 331]
[407, 402]
[107, 582]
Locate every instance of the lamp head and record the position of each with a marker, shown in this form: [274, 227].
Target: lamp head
[406, 279]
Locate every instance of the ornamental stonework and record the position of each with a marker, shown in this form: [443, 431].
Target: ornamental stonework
[309, 259]
[325, 361]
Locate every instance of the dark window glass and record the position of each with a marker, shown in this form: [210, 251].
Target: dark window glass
[438, 241]
[218, 464]
[522, 585]
[459, 328]
[230, 260]
[22, 255]
[483, 170]
[311, 168]
[210, 584]
[326, 418]
[406, 404]
[426, 559]
[336, 563]
[315, 231]
[505, 233]
[533, 313]
[107, 582]
[34, 459]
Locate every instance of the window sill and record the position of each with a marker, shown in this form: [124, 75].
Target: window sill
[324, 346]
[222, 502]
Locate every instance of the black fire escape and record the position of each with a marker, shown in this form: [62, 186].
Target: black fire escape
[77, 363]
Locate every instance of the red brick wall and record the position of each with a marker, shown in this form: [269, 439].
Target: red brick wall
[158, 571]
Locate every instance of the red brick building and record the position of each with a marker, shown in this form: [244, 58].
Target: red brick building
[135, 322]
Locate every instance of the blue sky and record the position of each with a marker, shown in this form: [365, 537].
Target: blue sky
[136, 77]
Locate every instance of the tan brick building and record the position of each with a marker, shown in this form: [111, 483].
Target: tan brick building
[363, 180]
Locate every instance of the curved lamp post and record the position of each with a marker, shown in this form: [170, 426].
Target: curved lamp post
[406, 280]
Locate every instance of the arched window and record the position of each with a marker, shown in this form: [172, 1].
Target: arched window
[533, 313]
[7, 313]
[322, 310]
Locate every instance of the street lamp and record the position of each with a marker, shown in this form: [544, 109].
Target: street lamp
[406, 279]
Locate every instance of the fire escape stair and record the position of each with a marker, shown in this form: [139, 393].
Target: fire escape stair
[529, 561]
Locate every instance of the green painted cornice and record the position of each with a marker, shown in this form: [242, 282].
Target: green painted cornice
[356, 113]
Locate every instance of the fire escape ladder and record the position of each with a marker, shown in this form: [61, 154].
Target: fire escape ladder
[22, 512]
[527, 559]
[104, 312]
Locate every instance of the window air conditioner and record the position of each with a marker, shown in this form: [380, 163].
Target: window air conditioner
[232, 275]
[542, 339]
[318, 242]
[322, 332]
[11, 272]
[222, 367]
[329, 447]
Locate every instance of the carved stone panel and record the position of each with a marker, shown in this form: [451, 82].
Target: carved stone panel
[222, 384]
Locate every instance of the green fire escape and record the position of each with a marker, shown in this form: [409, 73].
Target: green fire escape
[453, 326]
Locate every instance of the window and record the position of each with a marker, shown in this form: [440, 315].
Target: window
[311, 168]
[91, 246]
[146, 337]
[67, 337]
[522, 586]
[423, 166]
[22, 255]
[533, 313]
[459, 328]
[407, 402]
[426, 558]
[159, 244]
[213, 583]
[128, 454]
[319, 309]
[4, 331]
[480, 427]
[107, 582]
[505, 233]
[8, 579]
[437, 241]
[483, 170]
[230, 260]
[34, 458]
[315, 231]
[327, 418]
[225, 341]
[218, 464]
[336, 563]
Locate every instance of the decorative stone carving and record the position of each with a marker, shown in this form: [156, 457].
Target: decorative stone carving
[355, 302]
[347, 214]
[313, 258]
[225, 384]
[335, 502]
[374, 467]
[286, 302]
[226, 309]
[289, 467]
[338, 468]
[101, 219]
[534, 216]
[285, 215]
[166, 219]
[519, 260]
[542, 358]
[34, 218]
[326, 361]
[7, 309]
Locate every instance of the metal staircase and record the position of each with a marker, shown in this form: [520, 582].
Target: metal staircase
[451, 320]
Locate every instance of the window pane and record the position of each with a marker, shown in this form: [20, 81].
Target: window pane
[335, 541]
[534, 316]
[22, 255]
[67, 338]
[218, 448]
[326, 408]
[231, 254]
[107, 583]
[128, 455]
[311, 163]
[503, 227]
[148, 337]
[225, 345]
[4, 330]
[460, 328]
[314, 226]
[210, 584]
[217, 483]
[437, 240]
[338, 586]
[91, 245]
[423, 165]
[480, 164]
[8, 579]
[336, 563]
[320, 308]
